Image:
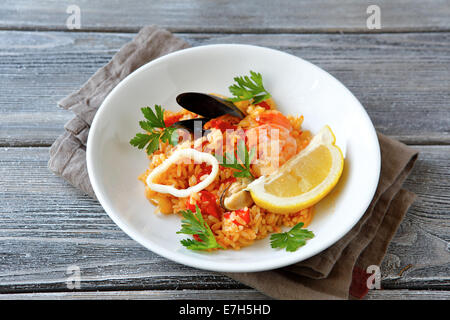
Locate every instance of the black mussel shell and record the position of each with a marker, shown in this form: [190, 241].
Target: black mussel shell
[207, 105]
[190, 124]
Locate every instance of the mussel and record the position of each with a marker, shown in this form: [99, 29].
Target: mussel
[235, 197]
[207, 105]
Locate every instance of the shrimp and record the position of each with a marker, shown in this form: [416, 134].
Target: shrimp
[268, 132]
[274, 145]
[274, 117]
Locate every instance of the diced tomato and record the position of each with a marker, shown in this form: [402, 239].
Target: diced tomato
[275, 117]
[204, 143]
[244, 214]
[246, 137]
[229, 180]
[190, 206]
[223, 123]
[170, 120]
[196, 237]
[208, 204]
[264, 104]
[207, 196]
[204, 169]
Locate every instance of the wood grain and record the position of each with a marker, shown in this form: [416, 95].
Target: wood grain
[401, 79]
[401, 74]
[232, 294]
[262, 16]
[47, 226]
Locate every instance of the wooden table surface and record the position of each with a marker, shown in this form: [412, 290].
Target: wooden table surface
[400, 73]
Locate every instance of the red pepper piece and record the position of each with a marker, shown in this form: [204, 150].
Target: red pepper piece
[229, 180]
[223, 123]
[264, 104]
[172, 119]
[244, 214]
[208, 204]
[204, 169]
[196, 237]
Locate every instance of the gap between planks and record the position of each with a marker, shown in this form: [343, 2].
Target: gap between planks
[380, 87]
[231, 294]
[230, 31]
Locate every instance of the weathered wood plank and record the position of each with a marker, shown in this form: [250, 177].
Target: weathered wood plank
[231, 294]
[229, 16]
[236, 294]
[401, 79]
[47, 226]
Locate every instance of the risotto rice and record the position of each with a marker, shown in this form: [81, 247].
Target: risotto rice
[231, 230]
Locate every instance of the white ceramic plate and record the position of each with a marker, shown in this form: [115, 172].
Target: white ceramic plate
[298, 87]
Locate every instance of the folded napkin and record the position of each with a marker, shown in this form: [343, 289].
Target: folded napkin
[335, 273]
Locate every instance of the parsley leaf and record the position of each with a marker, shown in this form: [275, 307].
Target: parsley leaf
[291, 240]
[155, 119]
[195, 225]
[156, 129]
[247, 88]
[245, 158]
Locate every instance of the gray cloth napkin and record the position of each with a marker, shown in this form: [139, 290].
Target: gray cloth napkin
[68, 152]
[331, 274]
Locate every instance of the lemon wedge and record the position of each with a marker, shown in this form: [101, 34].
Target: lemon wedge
[304, 180]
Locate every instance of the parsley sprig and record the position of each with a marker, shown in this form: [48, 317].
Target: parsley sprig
[291, 240]
[243, 165]
[195, 224]
[247, 88]
[157, 131]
